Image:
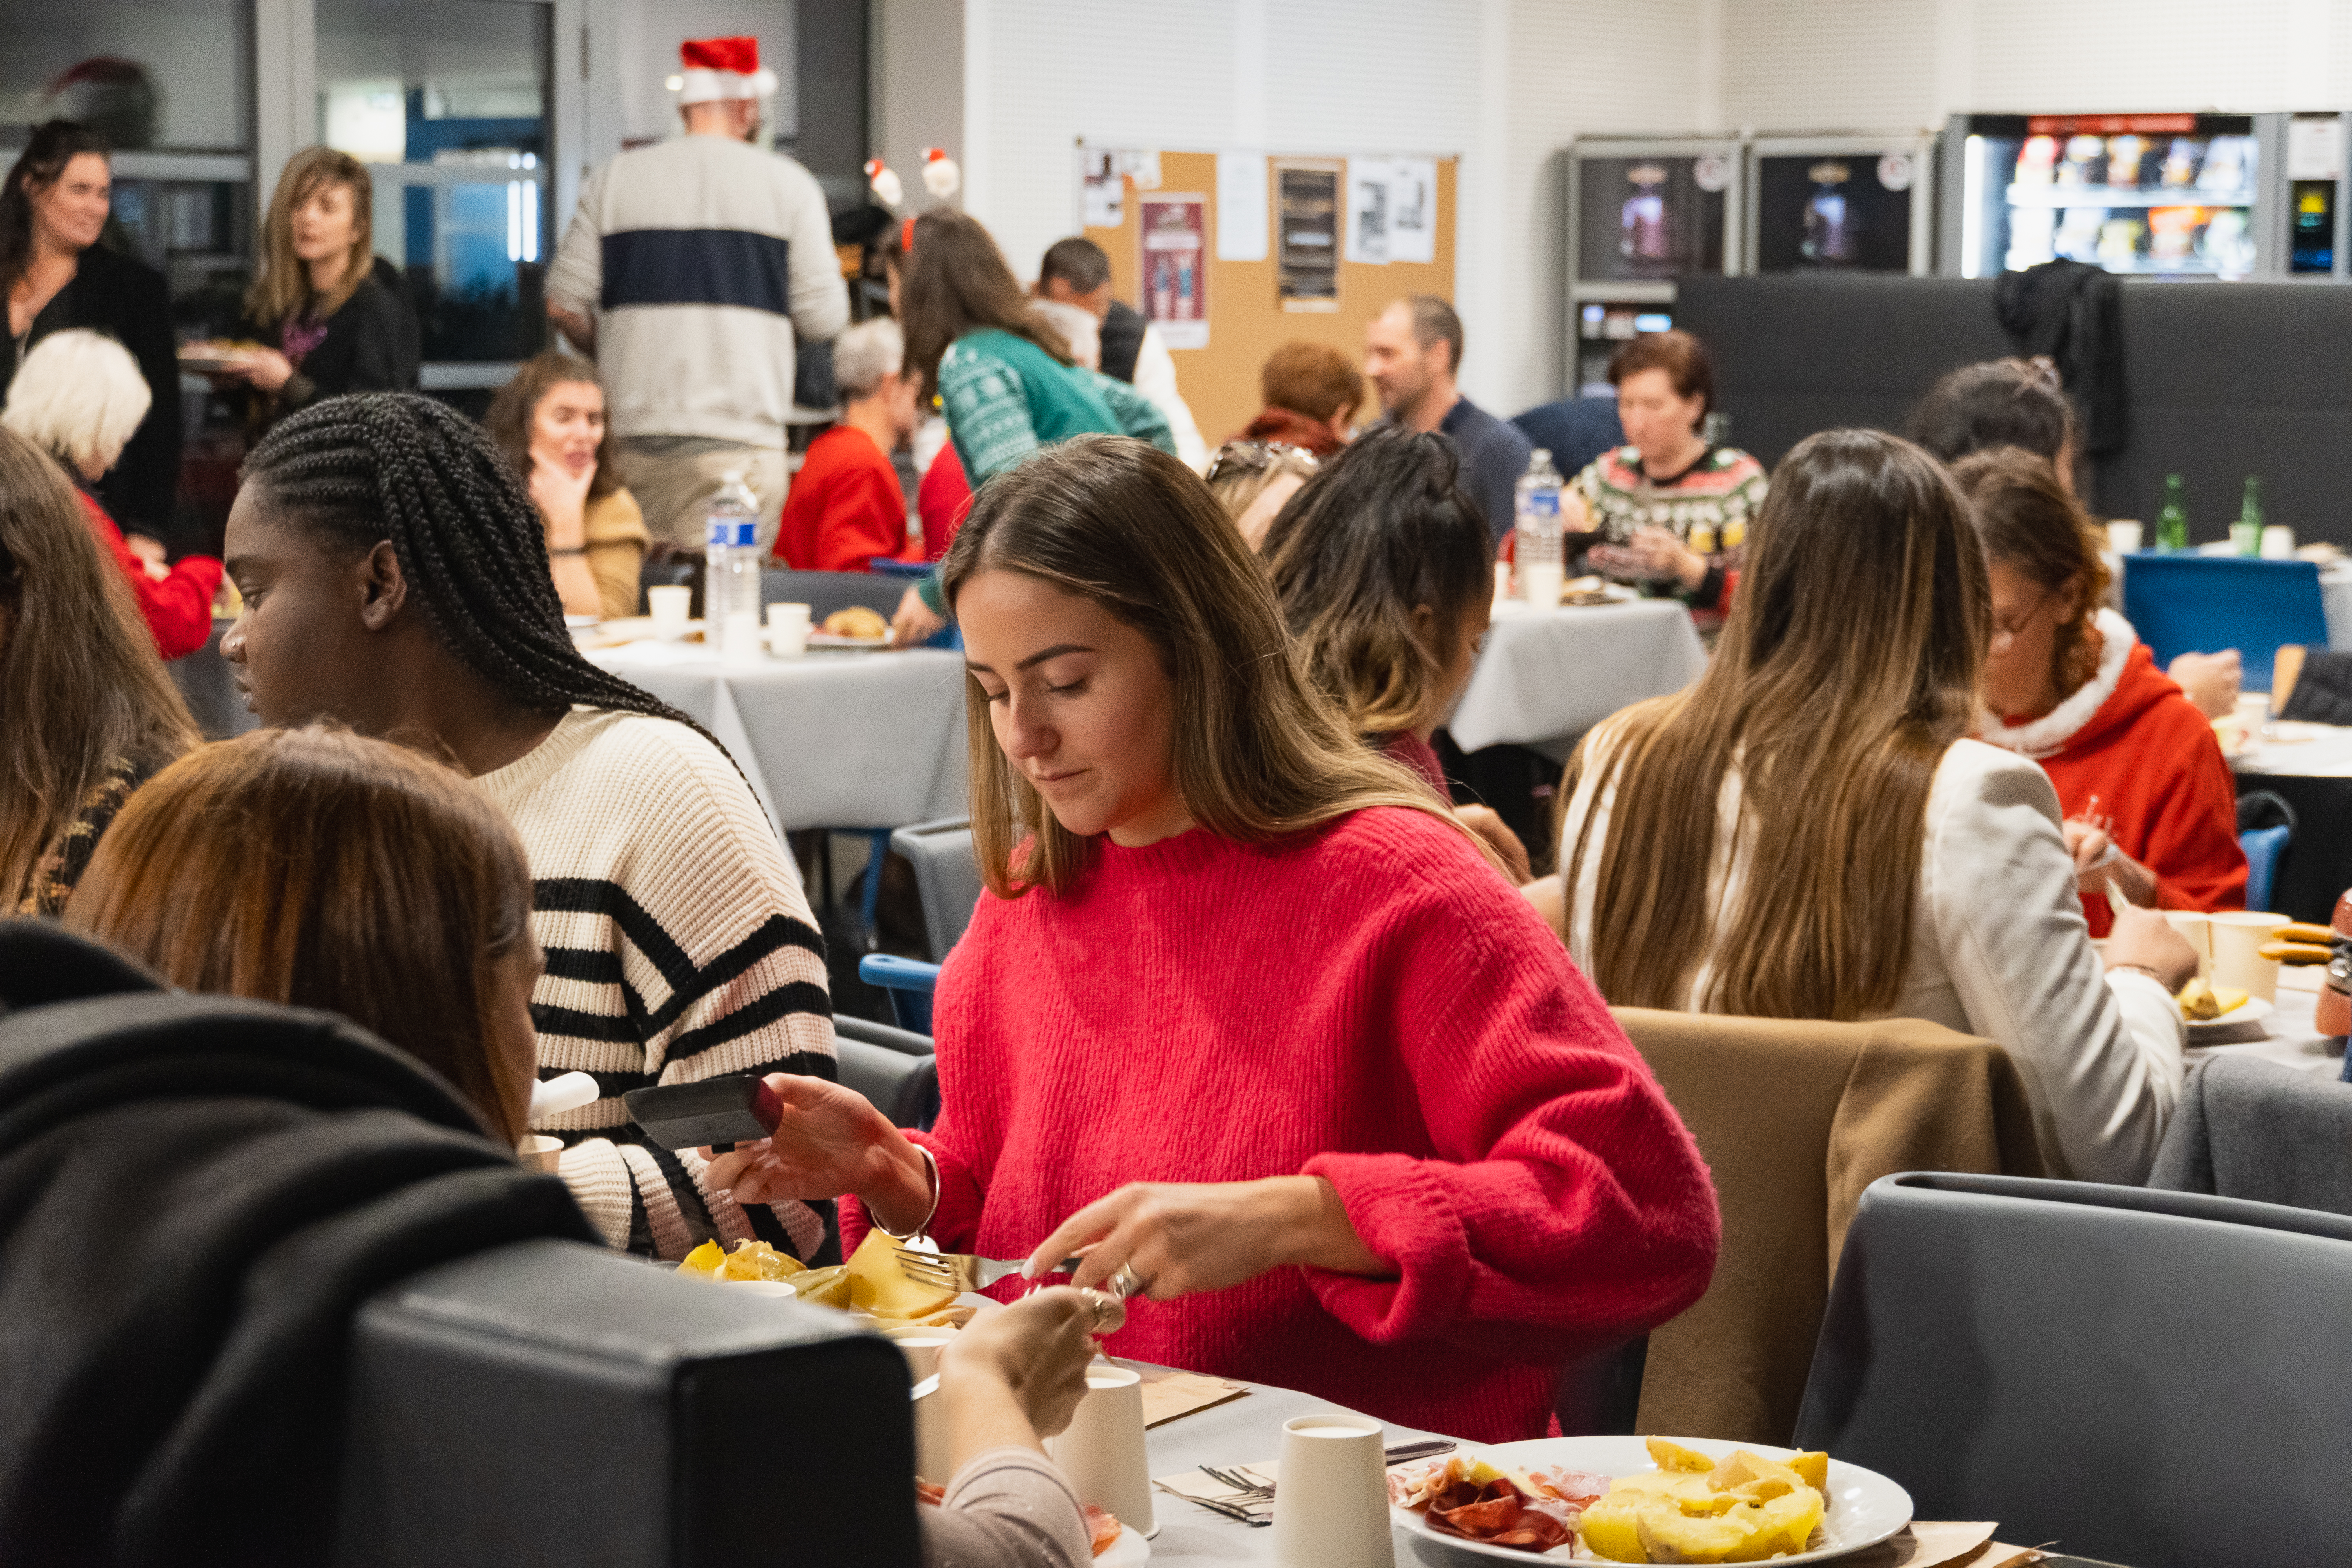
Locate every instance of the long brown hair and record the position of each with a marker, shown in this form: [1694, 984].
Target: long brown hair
[954, 280]
[321, 869]
[1259, 753]
[1382, 530]
[1848, 667]
[82, 687]
[514, 407]
[2031, 524]
[283, 285]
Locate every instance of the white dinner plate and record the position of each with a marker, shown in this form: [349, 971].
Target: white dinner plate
[1864, 1507]
[2232, 1024]
[834, 639]
[1129, 1551]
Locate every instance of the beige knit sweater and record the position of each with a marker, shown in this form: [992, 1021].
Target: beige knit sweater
[679, 946]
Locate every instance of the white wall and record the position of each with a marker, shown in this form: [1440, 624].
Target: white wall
[1502, 83]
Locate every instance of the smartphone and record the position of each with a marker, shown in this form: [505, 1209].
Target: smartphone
[719, 1111]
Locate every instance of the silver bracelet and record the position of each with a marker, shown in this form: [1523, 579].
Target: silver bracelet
[922, 1223]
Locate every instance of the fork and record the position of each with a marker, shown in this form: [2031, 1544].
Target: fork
[961, 1271]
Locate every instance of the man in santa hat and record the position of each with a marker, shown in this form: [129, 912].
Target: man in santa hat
[691, 269]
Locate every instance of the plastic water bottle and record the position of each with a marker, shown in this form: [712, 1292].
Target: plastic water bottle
[1541, 570]
[731, 577]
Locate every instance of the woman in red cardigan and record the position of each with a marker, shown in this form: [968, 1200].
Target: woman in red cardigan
[1245, 1014]
[2150, 802]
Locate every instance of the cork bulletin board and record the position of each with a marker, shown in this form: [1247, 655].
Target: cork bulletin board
[1247, 321]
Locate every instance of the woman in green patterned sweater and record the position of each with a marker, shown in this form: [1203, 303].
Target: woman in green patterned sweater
[1004, 376]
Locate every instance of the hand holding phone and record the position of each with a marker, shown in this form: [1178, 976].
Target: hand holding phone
[719, 1111]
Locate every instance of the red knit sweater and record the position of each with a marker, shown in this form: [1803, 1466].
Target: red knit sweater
[2142, 766]
[1369, 1003]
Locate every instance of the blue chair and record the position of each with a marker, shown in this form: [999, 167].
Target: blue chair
[2180, 602]
[1574, 430]
[2263, 846]
[909, 983]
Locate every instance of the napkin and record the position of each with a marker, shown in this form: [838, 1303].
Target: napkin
[1168, 1394]
[1201, 1484]
[1939, 1544]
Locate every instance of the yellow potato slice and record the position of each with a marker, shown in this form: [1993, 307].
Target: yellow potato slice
[1669, 1535]
[877, 1285]
[1785, 1524]
[1610, 1528]
[824, 1286]
[1813, 1468]
[704, 1260]
[1675, 1456]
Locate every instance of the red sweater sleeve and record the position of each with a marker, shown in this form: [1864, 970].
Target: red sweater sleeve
[1564, 1193]
[178, 609]
[2192, 828]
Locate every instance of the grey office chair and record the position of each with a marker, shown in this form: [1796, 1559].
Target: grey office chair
[553, 1401]
[827, 591]
[2146, 1377]
[893, 1068]
[947, 877]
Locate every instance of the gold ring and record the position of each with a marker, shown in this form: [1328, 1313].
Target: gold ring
[1126, 1282]
[1110, 1313]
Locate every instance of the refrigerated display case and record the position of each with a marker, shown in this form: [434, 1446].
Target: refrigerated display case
[1841, 204]
[1640, 215]
[2197, 195]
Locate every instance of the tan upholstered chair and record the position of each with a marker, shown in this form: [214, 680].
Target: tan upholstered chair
[1795, 1119]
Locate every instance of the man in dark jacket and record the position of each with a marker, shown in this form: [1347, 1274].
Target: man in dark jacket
[1412, 351]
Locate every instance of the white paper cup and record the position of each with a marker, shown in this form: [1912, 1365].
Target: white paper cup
[921, 1351]
[2123, 538]
[1540, 584]
[932, 1461]
[2278, 542]
[1102, 1452]
[739, 641]
[2196, 929]
[1331, 1496]
[779, 1287]
[669, 608]
[538, 1151]
[2238, 961]
[788, 631]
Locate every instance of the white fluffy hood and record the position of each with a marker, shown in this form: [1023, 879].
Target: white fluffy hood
[2048, 735]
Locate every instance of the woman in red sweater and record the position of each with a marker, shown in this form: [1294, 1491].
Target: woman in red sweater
[1243, 1013]
[2150, 802]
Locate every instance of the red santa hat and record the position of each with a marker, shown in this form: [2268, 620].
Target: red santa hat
[720, 68]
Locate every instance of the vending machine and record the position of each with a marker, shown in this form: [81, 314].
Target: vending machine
[1842, 203]
[1642, 215]
[2172, 194]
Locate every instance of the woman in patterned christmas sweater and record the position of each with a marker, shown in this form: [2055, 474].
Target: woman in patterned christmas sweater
[1672, 508]
[395, 579]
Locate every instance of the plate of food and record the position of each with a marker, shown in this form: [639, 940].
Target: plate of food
[856, 627]
[2221, 1011]
[1646, 1500]
[213, 354]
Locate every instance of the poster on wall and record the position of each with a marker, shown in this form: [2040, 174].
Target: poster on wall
[1175, 273]
[1368, 211]
[1241, 206]
[1306, 209]
[1102, 188]
[1413, 210]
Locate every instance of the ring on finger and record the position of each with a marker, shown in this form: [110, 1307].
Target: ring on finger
[1126, 1282]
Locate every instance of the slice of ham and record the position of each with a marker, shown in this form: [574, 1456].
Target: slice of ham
[1102, 1529]
[1498, 1513]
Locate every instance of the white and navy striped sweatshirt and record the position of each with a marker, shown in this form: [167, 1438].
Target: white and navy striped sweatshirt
[679, 946]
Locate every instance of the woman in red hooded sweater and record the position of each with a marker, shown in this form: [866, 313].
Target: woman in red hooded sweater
[1245, 1014]
[2150, 802]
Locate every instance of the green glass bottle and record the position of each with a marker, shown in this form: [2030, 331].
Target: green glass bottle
[2172, 522]
[2246, 534]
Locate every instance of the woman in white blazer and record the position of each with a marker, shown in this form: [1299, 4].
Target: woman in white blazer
[1864, 858]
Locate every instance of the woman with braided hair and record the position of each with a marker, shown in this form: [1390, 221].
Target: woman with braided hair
[395, 580]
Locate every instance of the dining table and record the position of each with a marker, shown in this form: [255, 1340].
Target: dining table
[2289, 1037]
[1544, 676]
[2308, 766]
[849, 740]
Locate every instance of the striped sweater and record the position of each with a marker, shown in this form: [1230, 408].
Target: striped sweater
[679, 946]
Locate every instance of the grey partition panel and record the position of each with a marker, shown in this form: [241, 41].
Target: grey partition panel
[555, 1403]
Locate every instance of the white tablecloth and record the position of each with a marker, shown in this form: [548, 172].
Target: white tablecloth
[2290, 1037]
[1546, 677]
[834, 740]
[2292, 749]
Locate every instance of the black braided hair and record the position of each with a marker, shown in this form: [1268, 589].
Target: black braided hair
[378, 466]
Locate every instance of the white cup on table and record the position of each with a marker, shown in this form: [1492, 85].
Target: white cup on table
[1102, 1451]
[1331, 1494]
[2123, 538]
[2278, 542]
[739, 641]
[669, 608]
[2196, 929]
[921, 1347]
[2238, 961]
[788, 634]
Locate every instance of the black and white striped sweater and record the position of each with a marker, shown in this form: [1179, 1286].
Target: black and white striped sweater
[679, 946]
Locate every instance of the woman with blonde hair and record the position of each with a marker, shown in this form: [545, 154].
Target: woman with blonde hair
[549, 421]
[1244, 1012]
[330, 313]
[1865, 857]
[319, 869]
[78, 397]
[87, 713]
[1253, 481]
